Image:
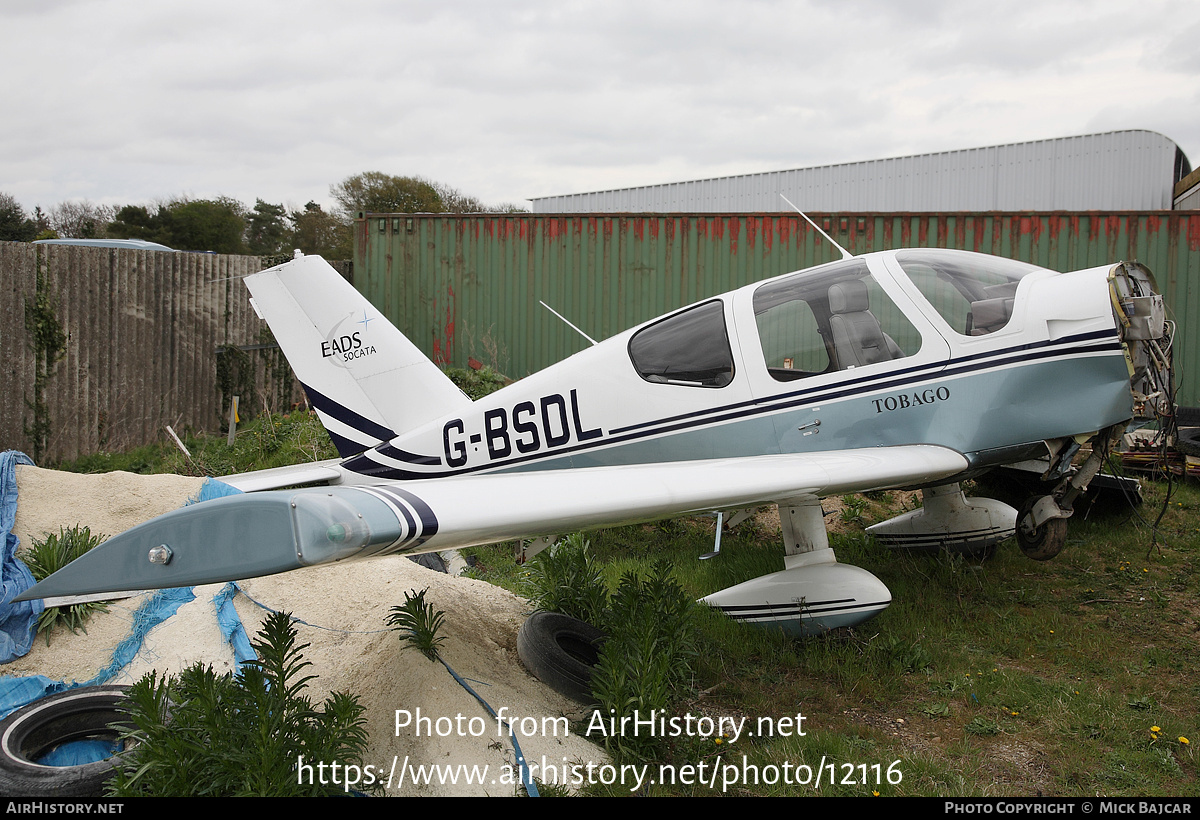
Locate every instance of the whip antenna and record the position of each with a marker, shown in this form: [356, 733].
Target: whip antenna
[845, 253]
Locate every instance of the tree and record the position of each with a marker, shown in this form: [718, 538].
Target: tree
[266, 229]
[508, 208]
[186, 225]
[136, 222]
[15, 226]
[317, 232]
[81, 220]
[376, 192]
[41, 225]
[208, 225]
[456, 202]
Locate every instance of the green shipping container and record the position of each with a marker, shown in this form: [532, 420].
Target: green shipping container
[465, 286]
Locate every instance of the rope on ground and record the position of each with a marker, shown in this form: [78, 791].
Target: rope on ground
[526, 777]
[296, 620]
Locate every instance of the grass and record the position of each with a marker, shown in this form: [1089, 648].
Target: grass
[1000, 678]
[274, 440]
[1008, 677]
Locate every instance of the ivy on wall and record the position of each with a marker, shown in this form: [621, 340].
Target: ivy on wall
[49, 343]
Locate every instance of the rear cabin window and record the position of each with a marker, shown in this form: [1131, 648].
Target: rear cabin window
[827, 319]
[690, 348]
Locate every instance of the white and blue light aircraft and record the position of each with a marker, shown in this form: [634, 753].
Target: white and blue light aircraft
[900, 369]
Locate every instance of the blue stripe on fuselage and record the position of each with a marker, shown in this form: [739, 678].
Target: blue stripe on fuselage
[348, 417]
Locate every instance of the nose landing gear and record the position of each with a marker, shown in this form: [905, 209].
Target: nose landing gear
[1041, 541]
[1042, 520]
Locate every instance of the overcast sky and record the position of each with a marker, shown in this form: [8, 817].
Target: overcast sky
[123, 102]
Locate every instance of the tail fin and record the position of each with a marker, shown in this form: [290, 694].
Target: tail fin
[367, 382]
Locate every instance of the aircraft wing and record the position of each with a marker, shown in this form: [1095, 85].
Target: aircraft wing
[246, 536]
[501, 506]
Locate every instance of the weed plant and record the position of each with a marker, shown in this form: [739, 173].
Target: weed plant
[854, 509]
[566, 578]
[418, 624]
[46, 557]
[646, 663]
[476, 383]
[206, 735]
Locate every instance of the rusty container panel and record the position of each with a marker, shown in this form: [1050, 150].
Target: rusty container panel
[468, 286]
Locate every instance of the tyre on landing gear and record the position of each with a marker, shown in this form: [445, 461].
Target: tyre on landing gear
[1040, 543]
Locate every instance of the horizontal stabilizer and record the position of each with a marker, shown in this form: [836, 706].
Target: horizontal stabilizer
[276, 478]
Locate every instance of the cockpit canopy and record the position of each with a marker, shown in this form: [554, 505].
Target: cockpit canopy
[835, 317]
[830, 318]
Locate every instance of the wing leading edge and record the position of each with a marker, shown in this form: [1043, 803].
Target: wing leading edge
[269, 532]
[500, 506]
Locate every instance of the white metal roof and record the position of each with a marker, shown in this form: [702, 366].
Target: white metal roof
[1118, 170]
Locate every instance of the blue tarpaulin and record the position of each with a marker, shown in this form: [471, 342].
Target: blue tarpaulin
[231, 625]
[16, 692]
[210, 489]
[18, 622]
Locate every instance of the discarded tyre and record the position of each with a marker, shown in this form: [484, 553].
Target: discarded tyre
[1188, 441]
[38, 728]
[561, 652]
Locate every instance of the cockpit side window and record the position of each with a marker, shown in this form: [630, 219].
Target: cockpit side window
[690, 348]
[833, 318]
[973, 293]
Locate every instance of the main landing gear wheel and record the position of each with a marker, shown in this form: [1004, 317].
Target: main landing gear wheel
[1040, 543]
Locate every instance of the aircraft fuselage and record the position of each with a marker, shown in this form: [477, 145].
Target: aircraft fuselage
[764, 370]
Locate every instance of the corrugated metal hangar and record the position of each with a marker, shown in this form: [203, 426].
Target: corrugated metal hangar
[1117, 170]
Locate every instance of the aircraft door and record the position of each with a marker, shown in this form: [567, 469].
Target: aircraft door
[822, 347]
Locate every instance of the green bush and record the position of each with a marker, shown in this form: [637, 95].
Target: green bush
[566, 578]
[203, 734]
[476, 383]
[648, 655]
[647, 659]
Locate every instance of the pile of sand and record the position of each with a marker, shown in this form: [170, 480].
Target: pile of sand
[340, 611]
